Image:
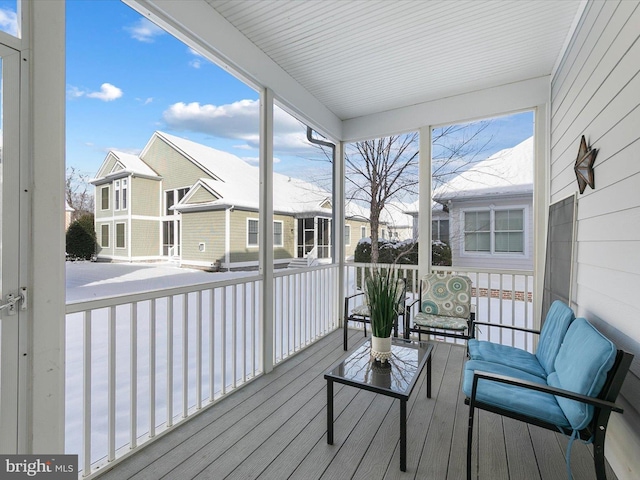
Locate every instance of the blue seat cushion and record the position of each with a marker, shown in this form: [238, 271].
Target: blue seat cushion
[555, 326]
[542, 406]
[582, 364]
[506, 355]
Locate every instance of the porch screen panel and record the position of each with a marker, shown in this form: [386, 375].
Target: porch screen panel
[559, 259]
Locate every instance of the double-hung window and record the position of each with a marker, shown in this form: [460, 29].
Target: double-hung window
[252, 233]
[124, 194]
[440, 230]
[347, 235]
[120, 235]
[494, 231]
[116, 191]
[277, 234]
[104, 235]
[363, 231]
[104, 198]
[509, 231]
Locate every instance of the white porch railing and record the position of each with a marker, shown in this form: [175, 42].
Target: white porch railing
[139, 364]
[499, 296]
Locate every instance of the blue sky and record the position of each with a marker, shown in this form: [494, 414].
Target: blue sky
[127, 78]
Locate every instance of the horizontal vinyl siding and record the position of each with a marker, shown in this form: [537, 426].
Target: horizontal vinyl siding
[350, 250]
[500, 261]
[238, 236]
[207, 228]
[145, 197]
[97, 198]
[145, 238]
[239, 252]
[596, 93]
[108, 250]
[176, 170]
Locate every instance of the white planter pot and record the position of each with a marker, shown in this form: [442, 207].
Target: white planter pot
[381, 348]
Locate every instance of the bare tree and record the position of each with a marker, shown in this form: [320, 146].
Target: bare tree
[378, 171]
[385, 169]
[78, 192]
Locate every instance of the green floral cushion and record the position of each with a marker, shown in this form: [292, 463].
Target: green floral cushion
[361, 311]
[439, 321]
[445, 295]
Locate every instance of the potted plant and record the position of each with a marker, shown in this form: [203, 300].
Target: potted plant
[383, 291]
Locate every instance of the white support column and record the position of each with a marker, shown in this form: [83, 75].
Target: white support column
[424, 203]
[541, 184]
[338, 221]
[227, 237]
[265, 230]
[46, 246]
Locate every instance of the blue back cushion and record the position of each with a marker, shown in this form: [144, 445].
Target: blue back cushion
[581, 366]
[553, 331]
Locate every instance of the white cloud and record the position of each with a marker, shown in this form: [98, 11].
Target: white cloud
[145, 101]
[107, 92]
[239, 121]
[144, 31]
[195, 63]
[8, 21]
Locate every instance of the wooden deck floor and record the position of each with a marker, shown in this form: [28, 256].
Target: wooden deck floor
[275, 428]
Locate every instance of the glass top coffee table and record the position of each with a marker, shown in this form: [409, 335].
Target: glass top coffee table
[395, 379]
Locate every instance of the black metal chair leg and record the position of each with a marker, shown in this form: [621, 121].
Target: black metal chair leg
[470, 439]
[598, 454]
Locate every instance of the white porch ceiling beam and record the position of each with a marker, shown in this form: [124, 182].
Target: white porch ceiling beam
[203, 29]
[456, 109]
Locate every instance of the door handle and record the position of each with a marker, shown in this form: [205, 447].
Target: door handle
[11, 299]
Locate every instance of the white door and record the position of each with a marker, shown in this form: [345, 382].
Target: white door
[9, 248]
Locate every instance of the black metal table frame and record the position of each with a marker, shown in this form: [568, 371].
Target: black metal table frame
[403, 397]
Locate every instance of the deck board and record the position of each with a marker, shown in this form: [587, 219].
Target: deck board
[275, 428]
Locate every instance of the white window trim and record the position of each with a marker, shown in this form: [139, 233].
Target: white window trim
[257, 244]
[363, 231]
[347, 228]
[124, 203]
[107, 187]
[115, 236]
[102, 245]
[116, 196]
[492, 253]
[281, 244]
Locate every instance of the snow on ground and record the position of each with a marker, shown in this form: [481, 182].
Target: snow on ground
[91, 280]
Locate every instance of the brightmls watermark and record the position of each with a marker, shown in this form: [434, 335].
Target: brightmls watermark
[51, 467]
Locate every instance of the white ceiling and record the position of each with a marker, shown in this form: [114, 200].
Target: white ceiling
[363, 57]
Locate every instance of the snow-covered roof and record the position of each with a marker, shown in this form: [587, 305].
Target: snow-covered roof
[237, 183]
[509, 171]
[125, 164]
[395, 215]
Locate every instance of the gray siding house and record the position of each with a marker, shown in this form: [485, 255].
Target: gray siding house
[486, 212]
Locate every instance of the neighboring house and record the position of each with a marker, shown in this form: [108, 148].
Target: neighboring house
[68, 211]
[491, 211]
[186, 202]
[396, 224]
[439, 221]
[486, 212]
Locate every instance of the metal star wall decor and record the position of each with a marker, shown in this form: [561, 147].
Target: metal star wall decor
[584, 165]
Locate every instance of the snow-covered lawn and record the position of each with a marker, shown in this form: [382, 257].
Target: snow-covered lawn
[89, 281]
[225, 318]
